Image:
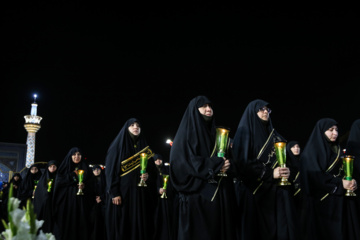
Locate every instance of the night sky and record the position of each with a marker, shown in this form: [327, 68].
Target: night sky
[93, 65]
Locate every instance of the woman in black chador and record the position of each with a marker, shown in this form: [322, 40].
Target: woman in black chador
[164, 217]
[267, 210]
[129, 208]
[353, 148]
[322, 180]
[98, 211]
[43, 196]
[206, 201]
[16, 182]
[72, 211]
[293, 153]
[28, 185]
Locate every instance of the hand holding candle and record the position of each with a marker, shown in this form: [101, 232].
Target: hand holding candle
[143, 165]
[165, 180]
[50, 181]
[222, 138]
[348, 162]
[35, 185]
[280, 152]
[81, 184]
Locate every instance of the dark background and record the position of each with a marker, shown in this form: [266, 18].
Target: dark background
[96, 64]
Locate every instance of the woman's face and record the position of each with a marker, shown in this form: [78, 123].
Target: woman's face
[34, 170]
[76, 157]
[264, 113]
[97, 171]
[134, 129]
[52, 168]
[16, 178]
[206, 110]
[158, 162]
[332, 133]
[295, 149]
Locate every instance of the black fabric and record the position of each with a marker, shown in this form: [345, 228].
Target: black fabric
[164, 212]
[353, 148]
[325, 206]
[193, 174]
[43, 198]
[133, 219]
[266, 210]
[5, 196]
[98, 211]
[72, 211]
[28, 185]
[293, 162]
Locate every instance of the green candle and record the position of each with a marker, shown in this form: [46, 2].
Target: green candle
[280, 151]
[165, 179]
[222, 136]
[50, 181]
[143, 162]
[81, 175]
[348, 167]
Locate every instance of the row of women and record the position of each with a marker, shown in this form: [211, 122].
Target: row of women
[235, 197]
[255, 205]
[92, 209]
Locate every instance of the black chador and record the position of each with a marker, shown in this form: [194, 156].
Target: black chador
[267, 210]
[133, 218]
[43, 198]
[206, 201]
[72, 211]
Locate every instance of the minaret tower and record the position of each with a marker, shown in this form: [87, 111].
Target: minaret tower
[32, 125]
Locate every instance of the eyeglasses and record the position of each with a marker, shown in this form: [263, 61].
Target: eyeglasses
[263, 109]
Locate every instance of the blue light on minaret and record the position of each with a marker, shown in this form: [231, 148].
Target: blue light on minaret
[32, 125]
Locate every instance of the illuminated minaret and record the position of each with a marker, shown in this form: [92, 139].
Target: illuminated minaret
[32, 125]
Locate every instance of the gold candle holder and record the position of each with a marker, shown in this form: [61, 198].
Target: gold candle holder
[348, 166]
[143, 165]
[81, 178]
[222, 138]
[280, 152]
[165, 180]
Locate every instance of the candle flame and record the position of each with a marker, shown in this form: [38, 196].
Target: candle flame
[169, 142]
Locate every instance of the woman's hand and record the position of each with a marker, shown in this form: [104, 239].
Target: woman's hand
[144, 176]
[161, 191]
[116, 200]
[350, 185]
[226, 165]
[281, 172]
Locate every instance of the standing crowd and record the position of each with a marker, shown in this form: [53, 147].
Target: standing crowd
[199, 194]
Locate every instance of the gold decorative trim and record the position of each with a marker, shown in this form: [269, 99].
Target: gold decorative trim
[297, 192]
[217, 189]
[259, 155]
[262, 149]
[330, 168]
[133, 162]
[258, 187]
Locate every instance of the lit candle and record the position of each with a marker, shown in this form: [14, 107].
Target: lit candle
[165, 177]
[280, 151]
[50, 181]
[222, 136]
[348, 167]
[143, 162]
[81, 175]
[169, 142]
